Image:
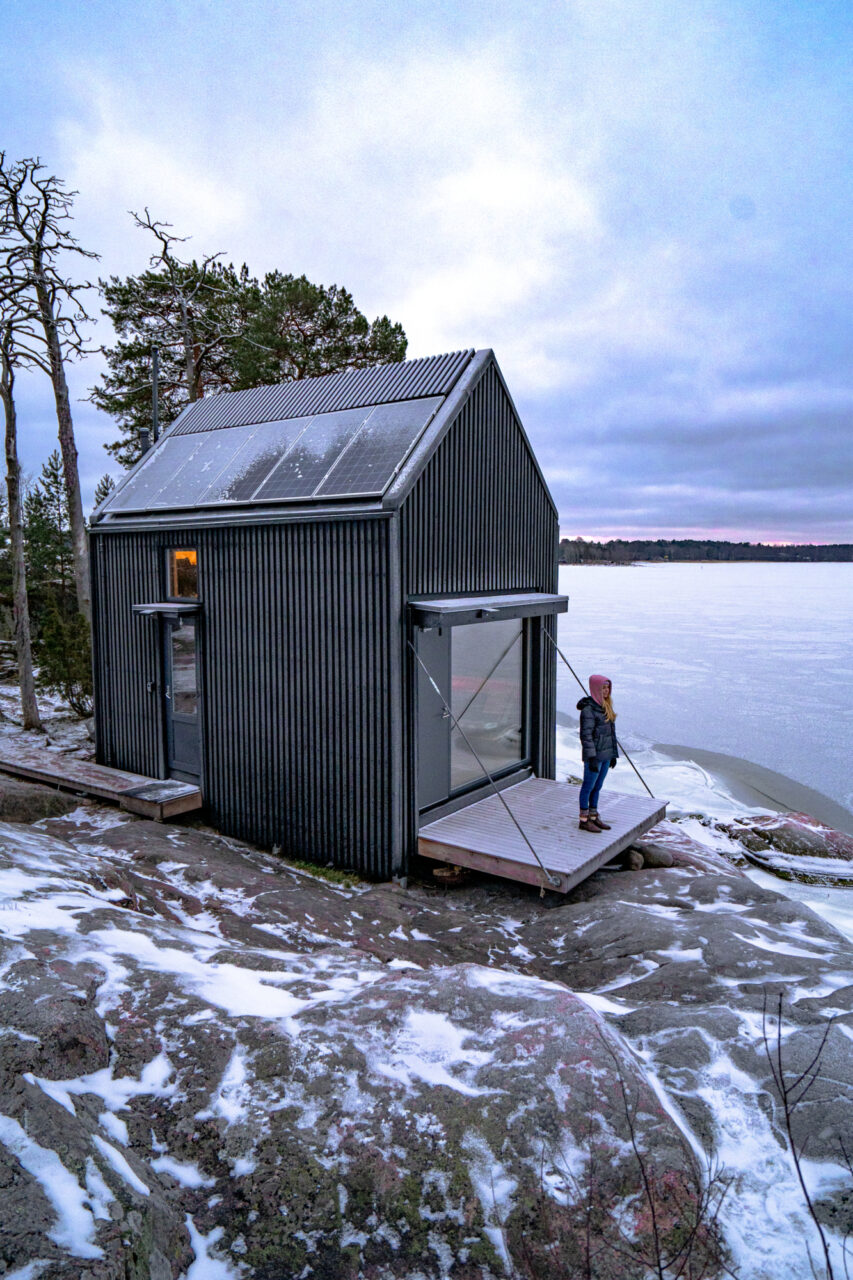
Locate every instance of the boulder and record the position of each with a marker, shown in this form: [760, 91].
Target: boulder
[30, 802]
[670, 837]
[656, 855]
[794, 846]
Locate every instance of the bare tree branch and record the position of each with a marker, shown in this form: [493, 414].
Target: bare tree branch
[35, 217]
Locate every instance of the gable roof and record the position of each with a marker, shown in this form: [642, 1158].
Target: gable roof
[342, 440]
[331, 393]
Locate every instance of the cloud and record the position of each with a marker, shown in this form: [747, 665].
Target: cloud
[643, 211]
[121, 155]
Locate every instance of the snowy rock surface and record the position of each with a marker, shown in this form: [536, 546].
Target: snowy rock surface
[794, 846]
[216, 1066]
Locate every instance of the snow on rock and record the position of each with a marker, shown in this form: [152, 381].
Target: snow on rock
[232, 1108]
[679, 841]
[215, 1067]
[794, 845]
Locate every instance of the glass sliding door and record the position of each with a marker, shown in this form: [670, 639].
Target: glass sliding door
[473, 702]
[487, 700]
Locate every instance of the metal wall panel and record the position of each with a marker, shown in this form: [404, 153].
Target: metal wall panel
[126, 653]
[352, 389]
[296, 654]
[479, 519]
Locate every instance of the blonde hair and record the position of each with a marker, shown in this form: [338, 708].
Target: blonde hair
[609, 713]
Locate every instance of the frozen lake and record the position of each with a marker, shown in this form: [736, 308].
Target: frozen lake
[752, 660]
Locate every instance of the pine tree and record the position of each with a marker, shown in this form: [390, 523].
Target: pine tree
[217, 328]
[295, 329]
[48, 533]
[103, 489]
[13, 352]
[190, 313]
[61, 636]
[65, 658]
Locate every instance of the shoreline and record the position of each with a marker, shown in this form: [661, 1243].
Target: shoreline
[750, 782]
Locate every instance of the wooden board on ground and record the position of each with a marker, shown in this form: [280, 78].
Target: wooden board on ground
[483, 835]
[157, 798]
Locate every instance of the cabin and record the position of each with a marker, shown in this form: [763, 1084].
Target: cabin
[330, 605]
[277, 580]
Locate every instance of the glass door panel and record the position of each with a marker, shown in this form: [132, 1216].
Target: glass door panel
[182, 702]
[487, 700]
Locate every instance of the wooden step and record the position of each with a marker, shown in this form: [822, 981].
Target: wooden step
[158, 798]
[484, 837]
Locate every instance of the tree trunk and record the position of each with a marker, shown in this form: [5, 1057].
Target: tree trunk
[79, 545]
[20, 604]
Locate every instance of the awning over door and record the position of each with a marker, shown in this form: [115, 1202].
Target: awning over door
[460, 611]
[172, 610]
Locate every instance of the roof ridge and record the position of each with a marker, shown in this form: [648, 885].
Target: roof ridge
[396, 380]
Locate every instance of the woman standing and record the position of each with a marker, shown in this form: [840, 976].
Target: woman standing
[599, 749]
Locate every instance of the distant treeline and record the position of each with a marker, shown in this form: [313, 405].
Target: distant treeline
[619, 551]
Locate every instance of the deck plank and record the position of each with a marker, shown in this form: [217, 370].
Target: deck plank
[158, 798]
[484, 837]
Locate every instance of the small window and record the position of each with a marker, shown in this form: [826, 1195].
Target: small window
[183, 574]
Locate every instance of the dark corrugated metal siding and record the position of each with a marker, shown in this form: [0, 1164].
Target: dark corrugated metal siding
[126, 571]
[296, 659]
[479, 519]
[353, 389]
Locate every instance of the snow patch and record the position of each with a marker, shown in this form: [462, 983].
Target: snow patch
[601, 1004]
[494, 1188]
[231, 1100]
[119, 1165]
[99, 1193]
[188, 1175]
[426, 1047]
[75, 1222]
[206, 1266]
[30, 1270]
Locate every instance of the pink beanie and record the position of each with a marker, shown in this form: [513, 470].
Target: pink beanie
[596, 684]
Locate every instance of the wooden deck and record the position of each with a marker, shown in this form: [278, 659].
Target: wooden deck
[151, 797]
[484, 837]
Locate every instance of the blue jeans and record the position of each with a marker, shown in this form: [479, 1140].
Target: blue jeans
[592, 784]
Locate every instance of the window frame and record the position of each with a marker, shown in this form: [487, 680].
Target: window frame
[168, 553]
[526, 759]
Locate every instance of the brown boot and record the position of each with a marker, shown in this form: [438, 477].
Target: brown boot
[586, 823]
[595, 817]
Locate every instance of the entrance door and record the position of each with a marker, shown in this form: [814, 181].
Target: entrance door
[183, 720]
[479, 670]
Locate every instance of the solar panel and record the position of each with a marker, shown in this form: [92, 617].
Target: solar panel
[302, 469]
[184, 487]
[145, 484]
[346, 453]
[255, 460]
[370, 461]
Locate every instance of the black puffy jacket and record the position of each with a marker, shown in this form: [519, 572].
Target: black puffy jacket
[598, 734]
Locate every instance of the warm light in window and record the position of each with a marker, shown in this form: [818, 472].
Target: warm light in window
[183, 574]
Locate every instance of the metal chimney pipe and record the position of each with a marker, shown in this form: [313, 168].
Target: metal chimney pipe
[155, 393]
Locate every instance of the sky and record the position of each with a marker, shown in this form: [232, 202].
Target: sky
[643, 208]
